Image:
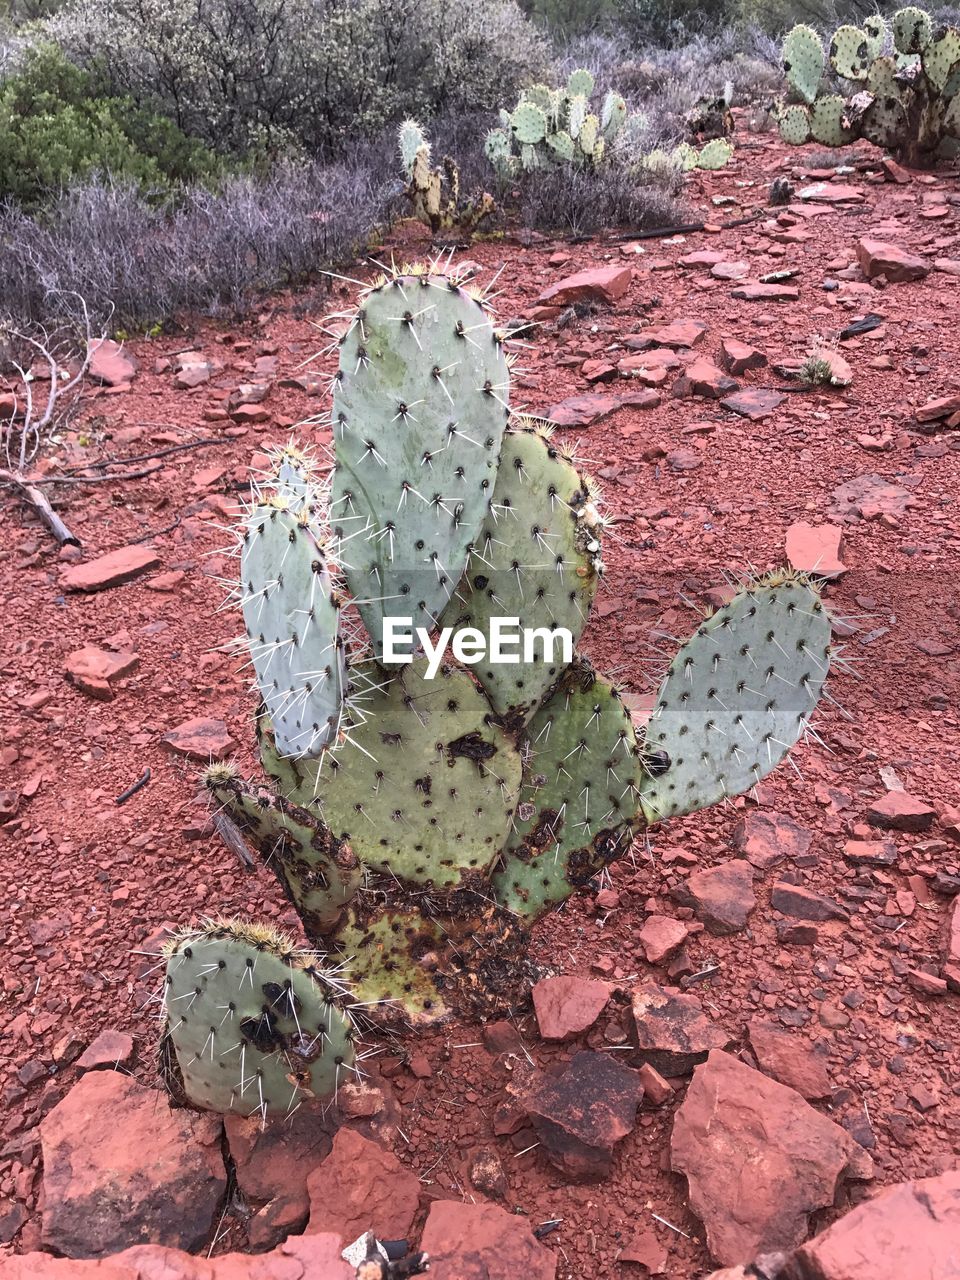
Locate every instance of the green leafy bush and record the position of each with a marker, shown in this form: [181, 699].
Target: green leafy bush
[258, 75]
[53, 128]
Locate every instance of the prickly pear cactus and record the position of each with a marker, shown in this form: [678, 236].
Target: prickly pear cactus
[419, 410]
[453, 801]
[434, 194]
[253, 1025]
[906, 103]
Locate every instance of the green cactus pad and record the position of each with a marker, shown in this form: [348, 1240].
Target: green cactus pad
[578, 796]
[912, 30]
[882, 119]
[498, 148]
[951, 118]
[715, 155]
[794, 122]
[827, 122]
[875, 29]
[587, 138]
[291, 614]
[941, 60]
[541, 95]
[256, 1027]
[529, 123]
[423, 787]
[410, 138]
[416, 442]
[580, 83]
[881, 80]
[803, 61]
[738, 696]
[319, 873]
[576, 115]
[531, 158]
[561, 145]
[613, 113]
[537, 559]
[850, 53]
[685, 156]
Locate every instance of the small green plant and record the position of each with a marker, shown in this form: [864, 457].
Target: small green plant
[425, 814]
[816, 371]
[434, 194]
[906, 82]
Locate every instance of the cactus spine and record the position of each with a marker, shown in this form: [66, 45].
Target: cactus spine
[450, 808]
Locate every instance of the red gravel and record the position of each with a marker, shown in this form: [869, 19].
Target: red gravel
[88, 881]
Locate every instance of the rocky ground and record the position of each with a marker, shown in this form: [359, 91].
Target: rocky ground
[807, 938]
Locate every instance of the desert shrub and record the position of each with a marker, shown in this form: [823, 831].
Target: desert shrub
[214, 253]
[254, 75]
[569, 17]
[586, 201]
[54, 128]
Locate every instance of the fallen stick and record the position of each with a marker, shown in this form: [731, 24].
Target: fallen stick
[132, 790]
[37, 499]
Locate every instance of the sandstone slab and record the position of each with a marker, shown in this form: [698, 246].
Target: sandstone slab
[361, 1187]
[766, 837]
[671, 1031]
[111, 570]
[598, 284]
[483, 1242]
[567, 1006]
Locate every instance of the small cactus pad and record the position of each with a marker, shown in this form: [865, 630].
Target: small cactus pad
[576, 115]
[498, 149]
[882, 120]
[941, 59]
[578, 796]
[416, 442]
[291, 613]
[580, 83]
[882, 78]
[587, 138]
[827, 118]
[850, 53]
[256, 1027]
[875, 29]
[912, 30]
[803, 61]
[537, 559]
[529, 123]
[423, 787]
[319, 873]
[561, 144]
[613, 114]
[410, 139]
[738, 696]
[542, 96]
[794, 122]
[715, 154]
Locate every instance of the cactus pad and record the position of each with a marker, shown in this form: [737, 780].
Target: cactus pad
[578, 796]
[613, 113]
[941, 60]
[580, 83]
[424, 786]
[410, 139]
[256, 1027]
[715, 154]
[794, 122]
[588, 134]
[576, 115]
[537, 559]
[875, 29]
[803, 61]
[738, 696]
[850, 53]
[498, 150]
[541, 95]
[827, 118]
[407, 498]
[529, 123]
[912, 30]
[561, 144]
[686, 156]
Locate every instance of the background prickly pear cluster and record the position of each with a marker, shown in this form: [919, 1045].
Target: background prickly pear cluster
[434, 194]
[421, 821]
[905, 82]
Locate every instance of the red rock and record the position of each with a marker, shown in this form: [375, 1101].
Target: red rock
[755, 403]
[678, 333]
[766, 837]
[501, 1038]
[109, 364]
[832, 193]
[250, 413]
[895, 172]
[879, 258]
[248, 393]
[567, 1006]
[936, 409]
[949, 266]
[202, 738]
[121, 1167]
[646, 1250]
[582, 1114]
[481, 1242]
[299, 1258]
[730, 270]
[111, 570]
[598, 284]
[841, 374]
[900, 811]
[598, 371]
[272, 1163]
[684, 460]
[194, 375]
[789, 1059]
[655, 1088]
[93, 670]
[167, 581]
[662, 937]
[110, 1049]
[927, 984]
[722, 896]
[909, 1230]
[313, 384]
[671, 1031]
[758, 1159]
[702, 258]
[766, 293]
[870, 497]
[739, 357]
[635, 367]
[816, 549]
[583, 411]
[360, 1187]
[803, 904]
[871, 853]
[703, 378]
[953, 934]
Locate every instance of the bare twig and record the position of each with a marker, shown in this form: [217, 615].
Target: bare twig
[38, 501]
[232, 837]
[144, 457]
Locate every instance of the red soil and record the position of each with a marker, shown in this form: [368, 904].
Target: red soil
[88, 881]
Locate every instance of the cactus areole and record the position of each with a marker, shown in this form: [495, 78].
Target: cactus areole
[431, 800]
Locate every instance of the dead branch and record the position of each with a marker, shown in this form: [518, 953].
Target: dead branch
[37, 499]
